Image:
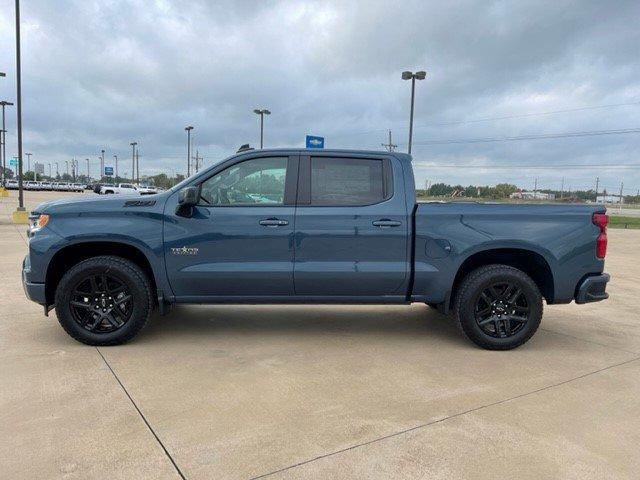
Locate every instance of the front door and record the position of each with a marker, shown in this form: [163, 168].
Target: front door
[239, 239]
[352, 229]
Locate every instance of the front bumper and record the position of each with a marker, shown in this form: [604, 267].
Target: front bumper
[592, 288]
[34, 291]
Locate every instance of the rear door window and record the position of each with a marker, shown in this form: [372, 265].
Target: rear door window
[347, 181]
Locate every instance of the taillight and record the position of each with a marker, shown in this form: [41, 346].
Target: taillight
[601, 220]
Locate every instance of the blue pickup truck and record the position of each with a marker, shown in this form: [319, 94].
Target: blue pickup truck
[309, 226]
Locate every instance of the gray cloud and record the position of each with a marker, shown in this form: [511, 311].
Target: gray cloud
[100, 74]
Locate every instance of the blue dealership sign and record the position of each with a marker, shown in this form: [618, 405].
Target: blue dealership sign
[315, 142]
[108, 171]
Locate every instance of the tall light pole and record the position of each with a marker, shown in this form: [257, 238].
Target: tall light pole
[57, 171]
[67, 164]
[88, 173]
[262, 112]
[49, 170]
[421, 75]
[20, 212]
[188, 130]
[4, 103]
[101, 164]
[116, 177]
[29, 165]
[133, 160]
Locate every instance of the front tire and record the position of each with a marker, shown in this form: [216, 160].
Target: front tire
[104, 300]
[498, 307]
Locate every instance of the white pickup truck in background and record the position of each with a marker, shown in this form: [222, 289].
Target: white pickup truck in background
[127, 189]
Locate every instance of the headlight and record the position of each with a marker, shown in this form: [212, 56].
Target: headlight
[36, 222]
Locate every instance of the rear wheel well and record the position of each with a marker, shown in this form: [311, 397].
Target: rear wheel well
[73, 254]
[531, 263]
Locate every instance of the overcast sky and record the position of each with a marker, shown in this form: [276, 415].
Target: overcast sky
[100, 74]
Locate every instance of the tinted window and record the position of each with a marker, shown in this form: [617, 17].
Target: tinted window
[346, 181]
[260, 181]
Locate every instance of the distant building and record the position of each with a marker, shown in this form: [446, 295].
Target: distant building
[525, 195]
[609, 199]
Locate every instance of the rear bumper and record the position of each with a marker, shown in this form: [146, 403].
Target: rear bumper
[592, 289]
[34, 291]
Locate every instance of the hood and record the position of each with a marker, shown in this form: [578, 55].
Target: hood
[99, 203]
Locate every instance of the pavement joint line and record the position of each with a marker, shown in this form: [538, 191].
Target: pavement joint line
[590, 341]
[175, 465]
[441, 420]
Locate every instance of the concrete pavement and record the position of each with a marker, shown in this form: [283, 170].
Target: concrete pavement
[321, 392]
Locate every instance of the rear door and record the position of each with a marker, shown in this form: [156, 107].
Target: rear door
[351, 227]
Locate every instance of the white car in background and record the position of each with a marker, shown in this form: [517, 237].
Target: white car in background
[46, 186]
[62, 187]
[119, 189]
[147, 190]
[12, 184]
[31, 185]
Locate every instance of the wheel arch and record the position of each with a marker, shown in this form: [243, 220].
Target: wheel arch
[73, 254]
[530, 262]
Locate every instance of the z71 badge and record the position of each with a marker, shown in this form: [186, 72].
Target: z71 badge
[184, 251]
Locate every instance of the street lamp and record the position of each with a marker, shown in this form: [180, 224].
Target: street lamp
[57, 171]
[116, 177]
[101, 164]
[188, 130]
[20, 214]
[413, 77]
[3, 140]
[262, 113]
[67, 164]
[88, 174]
[133, 160]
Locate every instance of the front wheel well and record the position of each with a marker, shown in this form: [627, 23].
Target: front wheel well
[530, 262]
[74, 254]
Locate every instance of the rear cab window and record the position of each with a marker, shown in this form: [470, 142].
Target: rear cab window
[344, 181]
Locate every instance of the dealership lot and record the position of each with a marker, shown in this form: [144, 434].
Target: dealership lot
[320, 392]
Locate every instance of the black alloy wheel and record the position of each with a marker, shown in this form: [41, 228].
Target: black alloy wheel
[502, 310]
[101, 303]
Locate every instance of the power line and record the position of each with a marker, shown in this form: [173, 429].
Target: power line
[542, 136]
[506, 117]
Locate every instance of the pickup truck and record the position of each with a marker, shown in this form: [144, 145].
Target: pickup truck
[119, 189]
[310, 226]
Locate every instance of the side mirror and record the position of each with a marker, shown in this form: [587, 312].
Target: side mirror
[187, 199]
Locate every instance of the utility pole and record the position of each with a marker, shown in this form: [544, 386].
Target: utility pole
[197, 159]
[57, 172]
[88, 172]
[116, 177]
[413, 77]
[49, 170]
[535, 189]
[66, 162]
[138, 167]
[562, 189]
[389, 146]
[133, 160]
[597, 184]
[621, 198]
[188, 130]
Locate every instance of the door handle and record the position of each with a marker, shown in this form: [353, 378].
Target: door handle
[273, 222]
[385, 223]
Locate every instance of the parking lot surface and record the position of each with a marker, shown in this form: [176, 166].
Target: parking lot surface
[320, 391]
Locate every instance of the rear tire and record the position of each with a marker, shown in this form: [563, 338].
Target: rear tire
[498, 307]
[104, 300]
